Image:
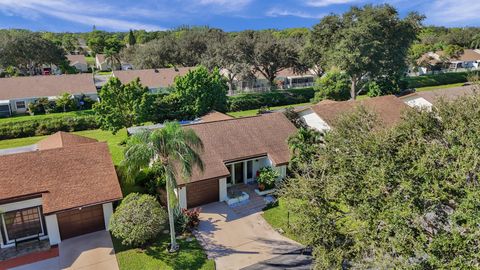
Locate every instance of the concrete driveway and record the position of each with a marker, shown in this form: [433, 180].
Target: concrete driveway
[236, 239]
[91, 251]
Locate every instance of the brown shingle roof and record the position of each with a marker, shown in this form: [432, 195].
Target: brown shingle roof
[152, 78]
[215, 116]
[45, 86]
[66, 178]
[447, 93]
[388, 108]
[241, 138]
[467, 55]
[62, 139]
[76, 58]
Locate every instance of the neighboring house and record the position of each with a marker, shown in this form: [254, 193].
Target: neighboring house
[323, 115]
[154, 79]
[78, 62]
[60, 188]
[285, 79]
[437, 61]
[427, 99]
[209, 117]
[17, 92]
[101, 62]
[234, 151]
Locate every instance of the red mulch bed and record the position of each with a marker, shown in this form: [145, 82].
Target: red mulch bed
[30, 258]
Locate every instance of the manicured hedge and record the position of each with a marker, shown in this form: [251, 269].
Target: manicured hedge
[47, 126]
[270, 99]
[436, 79]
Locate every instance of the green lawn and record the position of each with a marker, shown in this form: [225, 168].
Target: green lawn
[254, 112]
[278, 217]
[191, 256]
[90, 60]
[429, 88]
[103, 73]
[21, 118]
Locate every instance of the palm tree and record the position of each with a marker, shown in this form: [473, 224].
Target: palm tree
[172, 150]
[113, 58]
[476, 41]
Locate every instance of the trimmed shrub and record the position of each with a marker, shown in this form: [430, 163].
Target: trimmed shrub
[34, 127]
[437, 79]
[334, 85]
[138, 219]
[276, 98]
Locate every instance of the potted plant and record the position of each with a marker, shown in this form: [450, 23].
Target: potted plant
[266, 178]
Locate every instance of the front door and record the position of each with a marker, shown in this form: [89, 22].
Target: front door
[238, 167]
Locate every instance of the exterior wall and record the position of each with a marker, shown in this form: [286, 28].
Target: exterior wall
[52, 228]
[314, 121]
[107, 214]
[222, 189]
[14, 109]
[417, 102]
[81, 67]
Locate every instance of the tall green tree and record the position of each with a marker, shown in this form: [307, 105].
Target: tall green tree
[96, 41]
[334, 85]
[113, 58]
[28, 51]
[367, 42]
[200, 91]
[268, 54]
[399, 198]
[173, 151]
[131, 38]
[121, 105]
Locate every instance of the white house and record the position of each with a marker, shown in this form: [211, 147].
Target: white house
[323, 115]
[234, 151]
[60, 188]
[17, 92]
[469, 59]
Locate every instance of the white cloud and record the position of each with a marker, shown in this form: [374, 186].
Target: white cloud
[324, 3]
[454, 11]
[277, 12]
[77, 12]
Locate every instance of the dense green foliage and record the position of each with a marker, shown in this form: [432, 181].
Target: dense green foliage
[35, 127]
[399, 198]
[269, 99]
[267, 177]
[138, 219]
[368, 44]
[335, 85]
[436, 79]
[121, 105]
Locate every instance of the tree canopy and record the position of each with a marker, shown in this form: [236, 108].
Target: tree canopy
[121, 105]
[399, 198]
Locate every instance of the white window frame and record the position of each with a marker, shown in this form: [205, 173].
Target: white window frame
[8, 241]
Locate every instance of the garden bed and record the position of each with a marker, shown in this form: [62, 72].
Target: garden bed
[237, 199]
[265, 192]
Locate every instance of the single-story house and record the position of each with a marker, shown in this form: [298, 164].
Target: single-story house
[427, 99]
[431, 61]
[234, 151]
[286, 78]
[60, 188]
[78, 62]
[323, 115]
[17, 92]
[154, 79]
[101, 63]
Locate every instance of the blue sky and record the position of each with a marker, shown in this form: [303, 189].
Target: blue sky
[230, 15]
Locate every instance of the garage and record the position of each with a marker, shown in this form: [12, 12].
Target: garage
[202, 192]
[80, 221]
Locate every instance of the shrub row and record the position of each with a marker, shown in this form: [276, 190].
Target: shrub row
[47, 126]
[274, 98]
[436, 79]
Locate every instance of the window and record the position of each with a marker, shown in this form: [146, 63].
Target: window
[23, 223]
[20, 104]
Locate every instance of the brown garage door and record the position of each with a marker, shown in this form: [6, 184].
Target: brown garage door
[77, 222]
[202, 192]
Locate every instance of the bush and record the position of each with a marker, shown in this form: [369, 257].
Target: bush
[41, 106]
[267, 177]
[34, 127]
[186, 219]
[276, 98]
[334, 85]
[138, 219]
[437, 79]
